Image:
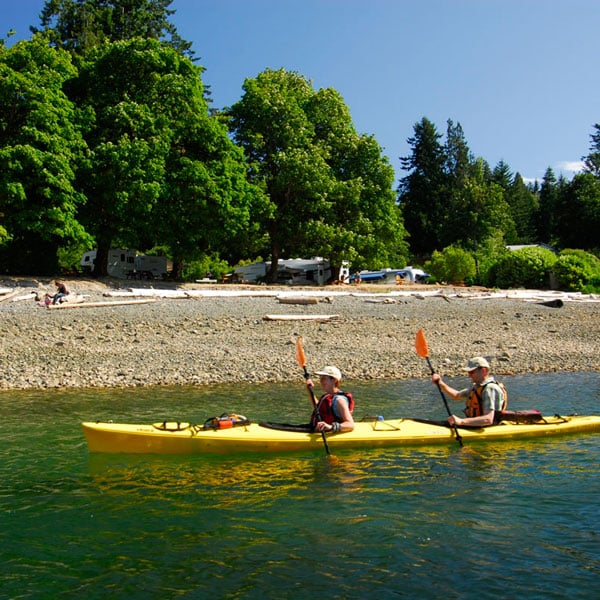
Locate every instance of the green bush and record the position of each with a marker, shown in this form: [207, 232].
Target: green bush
[577, 271]
[528, 268]
[199, 269]
[488, 254]
[453, 265]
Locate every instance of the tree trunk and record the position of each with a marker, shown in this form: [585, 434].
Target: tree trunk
[272, 274]
[101, 261]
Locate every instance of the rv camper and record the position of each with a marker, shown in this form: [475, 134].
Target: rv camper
[125, 263]
[120, 261]
[300, 271]
[295, 271]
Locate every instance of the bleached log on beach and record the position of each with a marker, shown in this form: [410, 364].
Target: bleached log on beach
[9, 295]
[301, 317]
[28, 296]
[382, 300]
[297, 300]
[148, 293]
[97, 304]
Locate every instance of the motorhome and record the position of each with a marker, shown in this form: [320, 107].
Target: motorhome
[125, 264]
[294, 271]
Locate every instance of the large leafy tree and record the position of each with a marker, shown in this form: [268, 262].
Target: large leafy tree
[330, 189]
[80, 25]
[40, 147]
[160, 169]
[208, 207]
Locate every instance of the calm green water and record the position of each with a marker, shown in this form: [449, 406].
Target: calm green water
[508, 520]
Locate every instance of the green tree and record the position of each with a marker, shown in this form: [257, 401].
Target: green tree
[80, 25]
[40, 147]
[160, 170]
[458, 156]
[524, 210]
[329, 188]
[209, 209]
[423, 193]
[502, 175]
[479, 210]
[578, 213]
[592, 160]
[548, 201]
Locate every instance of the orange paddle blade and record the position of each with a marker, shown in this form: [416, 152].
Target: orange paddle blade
[300, 352]
[421, 344]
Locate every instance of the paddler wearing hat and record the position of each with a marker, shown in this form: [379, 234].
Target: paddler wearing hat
[483, 398]
[333, 413]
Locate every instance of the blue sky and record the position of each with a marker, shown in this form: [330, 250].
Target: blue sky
[520, 76]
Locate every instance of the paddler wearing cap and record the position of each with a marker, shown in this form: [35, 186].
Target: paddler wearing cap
[333, 412]
[483, 398]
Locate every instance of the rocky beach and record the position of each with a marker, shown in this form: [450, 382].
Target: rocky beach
[197, 335]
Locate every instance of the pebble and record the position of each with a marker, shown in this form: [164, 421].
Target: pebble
[207, 340]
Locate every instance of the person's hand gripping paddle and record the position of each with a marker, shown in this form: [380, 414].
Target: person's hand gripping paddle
[423, 352]
[301, 358]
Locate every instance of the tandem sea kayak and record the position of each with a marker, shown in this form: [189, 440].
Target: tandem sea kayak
[186, 438]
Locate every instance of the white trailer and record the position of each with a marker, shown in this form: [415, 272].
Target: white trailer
[128, 264]
[120, 261]
[293, 271]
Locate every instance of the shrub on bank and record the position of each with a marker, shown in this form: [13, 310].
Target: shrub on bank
[453, 265]
[577, 271]
[528, 268]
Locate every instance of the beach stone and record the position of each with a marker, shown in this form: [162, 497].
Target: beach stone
[204, 340]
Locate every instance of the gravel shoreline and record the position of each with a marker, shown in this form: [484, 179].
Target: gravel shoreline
[204, 340]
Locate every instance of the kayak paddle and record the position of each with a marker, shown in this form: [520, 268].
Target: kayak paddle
[301, 358]
[423, 352]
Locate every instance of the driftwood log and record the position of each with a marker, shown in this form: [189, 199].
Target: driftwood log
[9, 295]
[297, 300]
[300, 317]
[96, 304]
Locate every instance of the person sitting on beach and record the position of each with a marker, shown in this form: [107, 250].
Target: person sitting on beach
[334, 408]
[46, 301]
[61, 292]
[483, 398]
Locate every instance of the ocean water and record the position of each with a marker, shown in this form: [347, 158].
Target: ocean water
[503, 520]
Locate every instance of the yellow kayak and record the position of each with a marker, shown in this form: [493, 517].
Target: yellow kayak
[187, 438]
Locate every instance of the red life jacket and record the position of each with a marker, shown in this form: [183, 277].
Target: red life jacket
[325, 408]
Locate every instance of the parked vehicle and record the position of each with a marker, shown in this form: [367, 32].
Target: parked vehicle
[387, 275]
[294, 271]
[128, 264]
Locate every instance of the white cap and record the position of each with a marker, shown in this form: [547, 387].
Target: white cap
[331, 372]
[476, 362]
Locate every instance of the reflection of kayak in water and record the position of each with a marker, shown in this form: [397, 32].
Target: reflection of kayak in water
[186, 438]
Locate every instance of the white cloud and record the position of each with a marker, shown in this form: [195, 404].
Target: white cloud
[571, 166]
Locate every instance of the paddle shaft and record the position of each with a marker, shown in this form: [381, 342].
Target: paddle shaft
[311, 391]
[439, 387]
